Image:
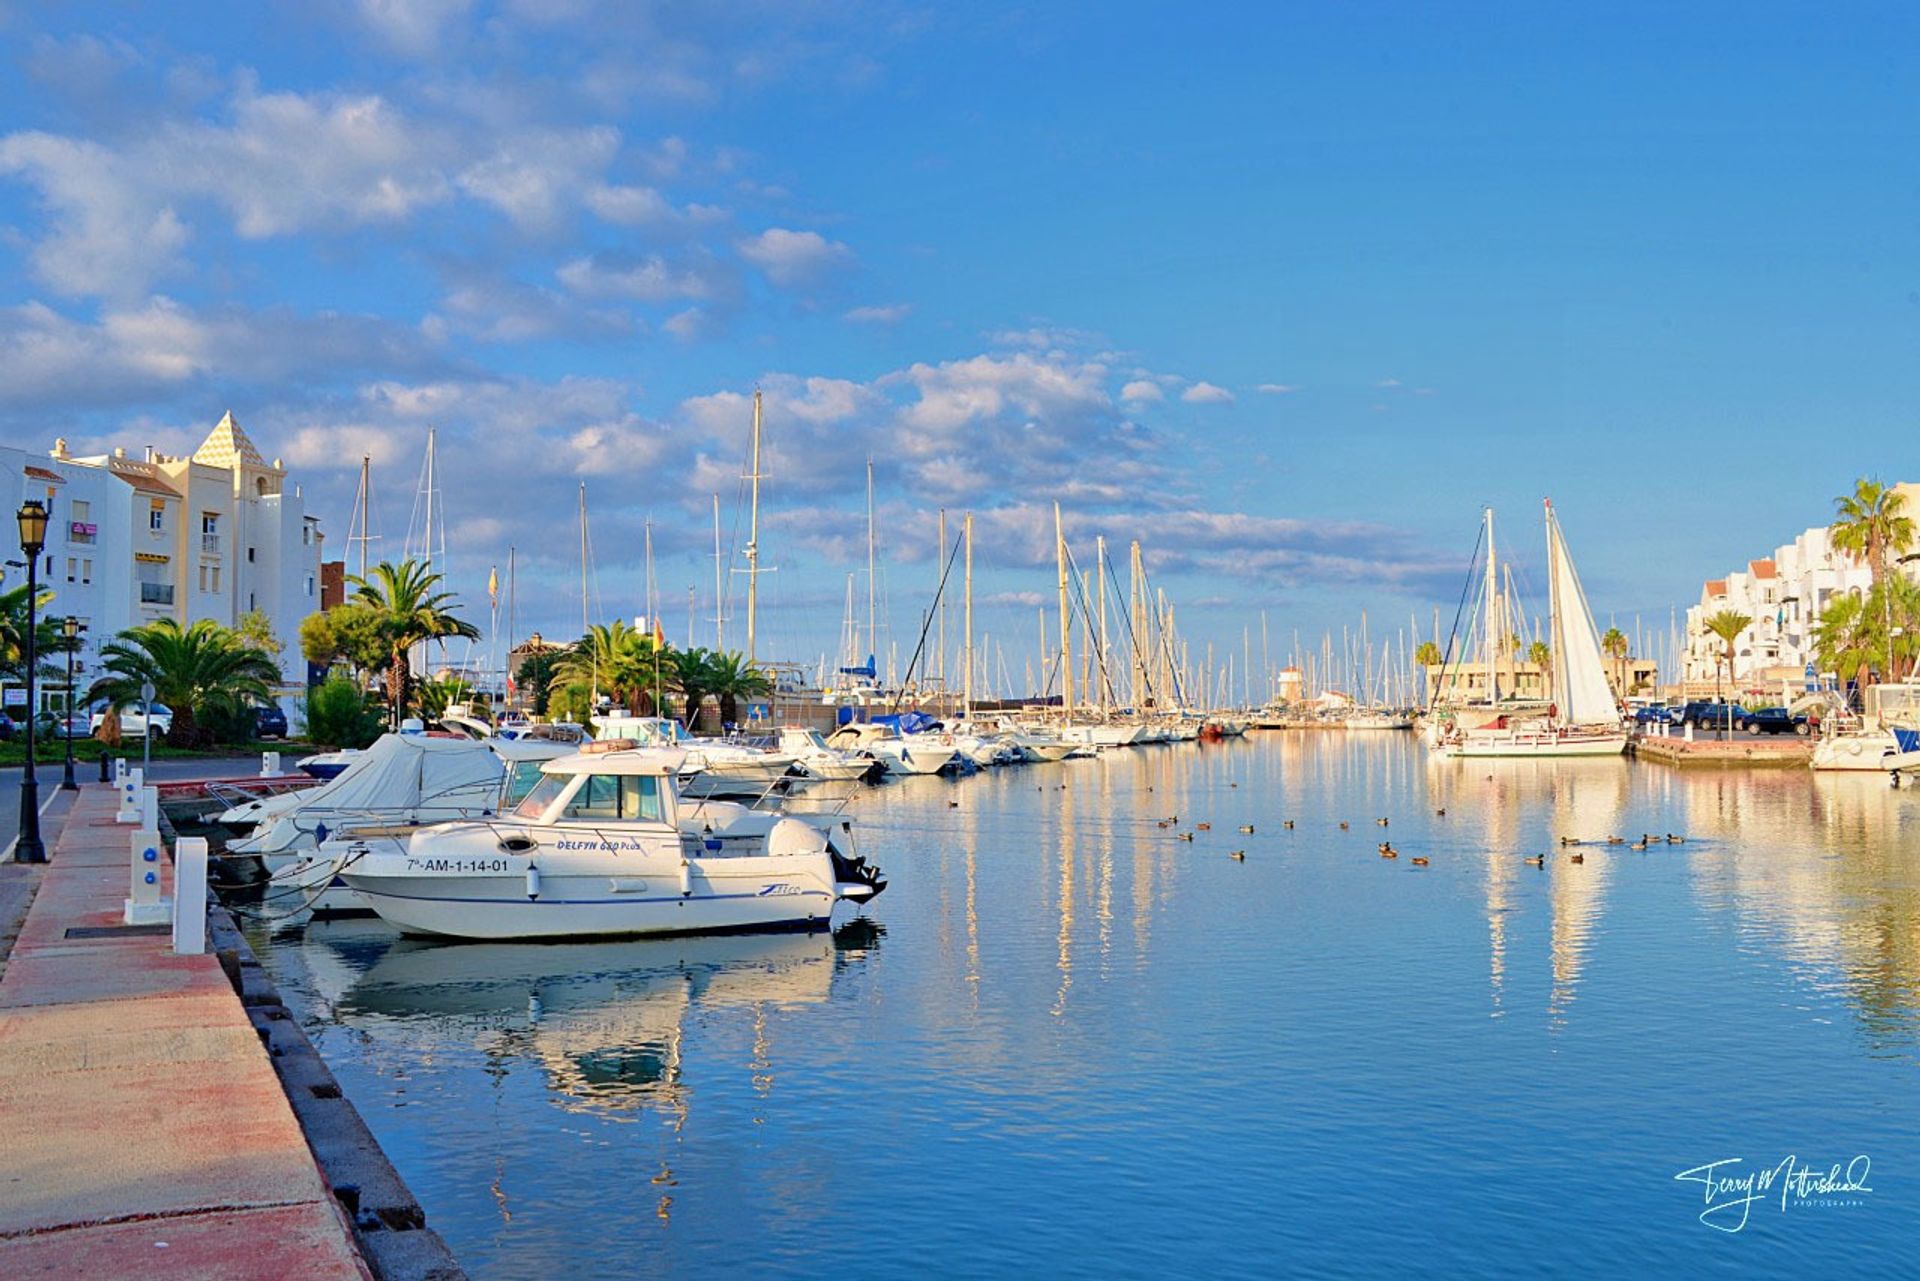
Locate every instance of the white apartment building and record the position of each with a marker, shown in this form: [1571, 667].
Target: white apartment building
[1785, 596]
[129, 541]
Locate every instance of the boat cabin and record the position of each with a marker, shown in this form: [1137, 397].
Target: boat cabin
[612, 781]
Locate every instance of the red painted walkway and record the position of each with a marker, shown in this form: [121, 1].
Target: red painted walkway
[143, 1131]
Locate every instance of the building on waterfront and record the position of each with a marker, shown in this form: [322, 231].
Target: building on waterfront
[214, 535]
[1784, 595]
[1466, 682]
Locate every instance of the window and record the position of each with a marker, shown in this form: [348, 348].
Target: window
[216, 578]
[306, 535]
[157, 518]
[80, 526]
[608, 796]
[309, 584]
[544, 794]
[86, 571]
[249, 555]
[73, 569]
[203, 576]
[210, 533]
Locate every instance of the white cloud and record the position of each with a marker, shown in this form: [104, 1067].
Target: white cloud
[794, 258]
[890, 314]
[532, 177]
[1205, 393]
[1278, 389]
[109, 236]
[650, 279]
[414, 27]
[1141, 391]
[1388, 382]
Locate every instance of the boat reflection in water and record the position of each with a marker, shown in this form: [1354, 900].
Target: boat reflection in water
[604, 1022]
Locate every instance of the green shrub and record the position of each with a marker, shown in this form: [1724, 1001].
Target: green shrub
[338, 715]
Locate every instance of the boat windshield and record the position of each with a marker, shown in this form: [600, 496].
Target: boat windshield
[522, 778]
[617, 796]
[543, 795]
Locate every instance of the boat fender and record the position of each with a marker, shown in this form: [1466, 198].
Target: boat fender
[533, 881]
[1855, 747]
[686, 878]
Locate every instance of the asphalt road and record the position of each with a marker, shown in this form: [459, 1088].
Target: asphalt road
[87, 772]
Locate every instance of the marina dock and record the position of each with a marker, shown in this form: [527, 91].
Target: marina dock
[1784, 750]
[145, 1128]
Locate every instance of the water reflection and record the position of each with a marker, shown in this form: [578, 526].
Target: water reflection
[602, 1022]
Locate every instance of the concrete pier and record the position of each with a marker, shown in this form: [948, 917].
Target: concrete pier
[143, 1128]
[1785, 750]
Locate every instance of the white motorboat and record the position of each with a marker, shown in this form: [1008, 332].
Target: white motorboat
[714, 766]
[424, 780]
[1865, 750]
[605, 845]
[815, 759]
[1040, 747]
[326, 765]
[897, 753]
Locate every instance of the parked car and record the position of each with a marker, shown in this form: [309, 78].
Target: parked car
[1710, 715]
[75, 724]
[7, 728]
[133, 720]
[1774, 720]
[1655, 715]
[270, 722]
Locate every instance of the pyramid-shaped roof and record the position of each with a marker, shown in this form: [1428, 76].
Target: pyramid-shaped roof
[227, 446]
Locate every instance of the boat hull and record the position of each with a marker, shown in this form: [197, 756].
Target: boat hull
[1518, 745]
[747, 894]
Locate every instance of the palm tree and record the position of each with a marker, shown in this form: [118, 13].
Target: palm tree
[624, 664]
[730, 679]
[1614, 644]
[1727, 625]
[1427, 654]
[691, 670]
[1871, 524]
[13, 630]
[202, 673]
[411, 611]
[1846, 640]
[1540, 654]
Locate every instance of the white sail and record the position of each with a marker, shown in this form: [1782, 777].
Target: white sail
[1581, 691]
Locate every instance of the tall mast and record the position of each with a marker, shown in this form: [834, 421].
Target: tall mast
[1100, 590]
[1066, 619]
[872, 645]
[719, 588]
[363, 512]
[966, 684]
[1137, 620]
[430, 489]
[1556, 652]
[753, 534]
[940, 565]
[1492, 593]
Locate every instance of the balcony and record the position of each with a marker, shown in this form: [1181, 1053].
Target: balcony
[156, 593]
[210, 544]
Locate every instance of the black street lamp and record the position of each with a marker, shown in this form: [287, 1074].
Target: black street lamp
[69, 628]
[32, 517]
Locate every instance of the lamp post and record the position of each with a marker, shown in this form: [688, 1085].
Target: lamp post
[69, 628]
[32, 518]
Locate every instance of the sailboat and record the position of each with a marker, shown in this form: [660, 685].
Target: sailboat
[1584, 717]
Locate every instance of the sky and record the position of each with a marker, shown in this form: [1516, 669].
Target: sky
[1286, 292]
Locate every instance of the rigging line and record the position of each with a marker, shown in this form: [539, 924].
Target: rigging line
[1166, 642]
[925, 625]
[1447, 663]
[1126, 617]
[1086, 615]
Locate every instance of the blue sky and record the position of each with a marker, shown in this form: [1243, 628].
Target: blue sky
[1287, 292]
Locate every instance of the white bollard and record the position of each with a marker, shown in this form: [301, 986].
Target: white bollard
[150, 808]
[269, 764]
[1689, 731]
[144, 905]
[119, 770]
[190, 895]
[130, 785]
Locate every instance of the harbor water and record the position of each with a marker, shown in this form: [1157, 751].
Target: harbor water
[1067, 1041]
